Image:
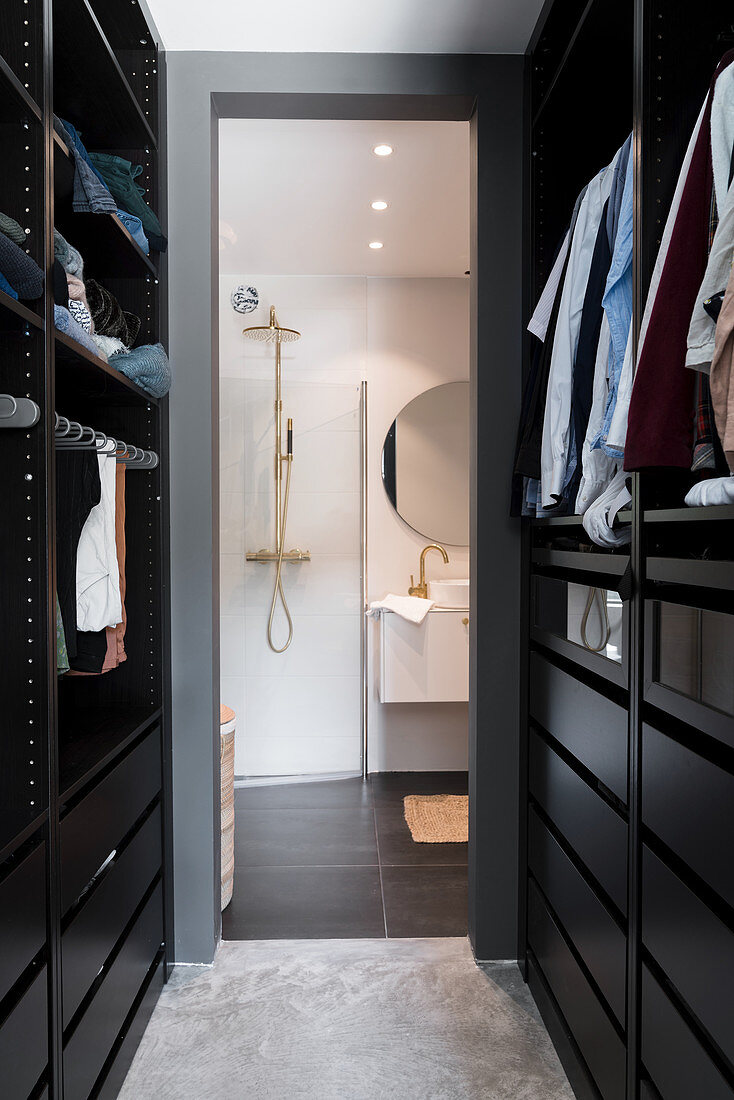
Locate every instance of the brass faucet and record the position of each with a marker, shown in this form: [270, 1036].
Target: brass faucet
[421, 589]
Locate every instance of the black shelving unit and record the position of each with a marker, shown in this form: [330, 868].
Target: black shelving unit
[627, 775]
[85, 886]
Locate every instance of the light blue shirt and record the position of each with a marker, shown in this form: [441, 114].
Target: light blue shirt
[617, 304]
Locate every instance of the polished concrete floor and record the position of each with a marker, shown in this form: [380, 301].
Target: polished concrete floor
[403, 1019]
[336, 860]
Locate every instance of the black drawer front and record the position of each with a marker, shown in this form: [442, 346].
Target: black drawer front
[93, 933]
[596, 935]
[693, 947]
[115, 1076]
[590, 726]
[591, 827]
[99, 822]
[602, 1049]
[675, 1060]
[24, 1041]
[87, 1049]
[22, 916]
[689, 803]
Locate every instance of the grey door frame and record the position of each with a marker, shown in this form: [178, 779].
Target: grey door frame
[487, 91]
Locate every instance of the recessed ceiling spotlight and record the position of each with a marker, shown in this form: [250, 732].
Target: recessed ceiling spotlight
[379, 204]
[375, 244]
[382, 150]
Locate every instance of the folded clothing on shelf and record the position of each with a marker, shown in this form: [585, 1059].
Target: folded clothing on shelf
[22, 272]
[68, 257]
[7, 288]
[120, 175]
[109, 318]
[91, 195]
[11, 229]
[109, 345]
[147, 366]
[134, 227]
[65, 323]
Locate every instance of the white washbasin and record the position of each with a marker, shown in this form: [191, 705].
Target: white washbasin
[449, 593]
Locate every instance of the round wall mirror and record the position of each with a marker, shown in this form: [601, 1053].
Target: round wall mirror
[425, 464]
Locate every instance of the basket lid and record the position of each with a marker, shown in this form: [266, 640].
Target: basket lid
[226, 714]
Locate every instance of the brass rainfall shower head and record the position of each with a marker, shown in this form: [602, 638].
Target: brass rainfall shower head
[267, 333]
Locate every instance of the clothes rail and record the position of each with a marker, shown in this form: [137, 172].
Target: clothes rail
[71, 435]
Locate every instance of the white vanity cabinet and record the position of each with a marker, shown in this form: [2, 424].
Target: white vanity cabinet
[427, 663]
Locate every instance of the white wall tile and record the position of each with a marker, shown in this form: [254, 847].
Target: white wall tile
[302, 756]
[327, 585]
[232, 523]
[324, 523]
[232, 569]
[232, 645]
[322, 645]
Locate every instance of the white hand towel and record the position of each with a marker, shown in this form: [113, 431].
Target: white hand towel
[412, 608]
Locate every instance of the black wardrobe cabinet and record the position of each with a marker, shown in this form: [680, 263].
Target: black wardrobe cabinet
[85, 888]
[627, 772]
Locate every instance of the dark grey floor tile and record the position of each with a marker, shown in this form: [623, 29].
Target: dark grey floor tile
[305, 838]
[335, 794]
[397, 847]
[393, 786]
[425, 901]
[274, 903]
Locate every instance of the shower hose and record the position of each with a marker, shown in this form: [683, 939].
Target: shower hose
[278, 586]
[596, 593]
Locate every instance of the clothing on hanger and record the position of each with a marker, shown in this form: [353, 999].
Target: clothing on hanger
[98, 603]
[78, 490]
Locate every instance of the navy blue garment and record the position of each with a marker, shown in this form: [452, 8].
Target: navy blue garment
[582, 385]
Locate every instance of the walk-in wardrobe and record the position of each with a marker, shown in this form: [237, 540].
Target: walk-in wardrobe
[627, 819]
[84, 800]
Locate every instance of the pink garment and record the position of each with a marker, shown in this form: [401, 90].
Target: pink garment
[722, 374]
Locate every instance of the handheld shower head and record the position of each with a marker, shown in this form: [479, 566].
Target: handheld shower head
[267, 333]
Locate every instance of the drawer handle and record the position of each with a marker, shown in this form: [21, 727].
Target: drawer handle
[465, 622]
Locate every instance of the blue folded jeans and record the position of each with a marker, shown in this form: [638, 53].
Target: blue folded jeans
[134, 227]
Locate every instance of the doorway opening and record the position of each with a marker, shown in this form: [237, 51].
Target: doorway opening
[344, 455]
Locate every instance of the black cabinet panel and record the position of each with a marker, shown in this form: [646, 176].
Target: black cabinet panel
[22, 916]
[92, 934]
[590, 726]
[677, 1063]
[600, 1045]
[117, 1072]
[595, 934]
[693, 947]
[90, 831]
[24, 1041]
[592, 828]
[87, 1049]
[689, 803]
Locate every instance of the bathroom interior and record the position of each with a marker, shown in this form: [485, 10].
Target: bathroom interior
[344, 479]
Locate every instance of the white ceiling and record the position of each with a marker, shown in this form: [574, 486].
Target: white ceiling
[348, 26]
[295, 198]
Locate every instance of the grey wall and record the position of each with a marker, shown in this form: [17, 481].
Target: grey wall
[344, 86]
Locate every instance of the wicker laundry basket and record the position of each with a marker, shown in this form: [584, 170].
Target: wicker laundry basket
[226, 755]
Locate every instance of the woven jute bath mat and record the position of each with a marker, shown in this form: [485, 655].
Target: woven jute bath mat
[438, 818]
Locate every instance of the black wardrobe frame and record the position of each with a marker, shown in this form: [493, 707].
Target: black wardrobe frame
[86, 924]
[615, 971]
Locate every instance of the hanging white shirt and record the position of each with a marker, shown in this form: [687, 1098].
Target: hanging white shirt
[597, 466]
[98, 602]
[557, 420]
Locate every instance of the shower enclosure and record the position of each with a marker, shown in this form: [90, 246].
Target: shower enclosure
[299, 705]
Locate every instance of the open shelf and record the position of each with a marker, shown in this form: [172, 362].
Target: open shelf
[79, 373]
[692, 572]
[612, 565]
[23, 312]
[90, 88]
[575, 521]
[21, 95]
[108, 249]
[93, 737]
[124, 25]
[690, 515]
